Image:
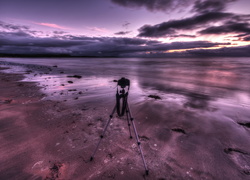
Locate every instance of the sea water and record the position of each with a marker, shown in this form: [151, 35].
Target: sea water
[198, 81]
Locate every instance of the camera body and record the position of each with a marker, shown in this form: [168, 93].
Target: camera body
[123, 82]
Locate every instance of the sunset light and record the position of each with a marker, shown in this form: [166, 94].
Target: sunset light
[127, 27]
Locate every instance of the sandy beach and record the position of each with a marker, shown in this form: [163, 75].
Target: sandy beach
[46, 138]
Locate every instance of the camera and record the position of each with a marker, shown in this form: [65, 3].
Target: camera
[123, 82]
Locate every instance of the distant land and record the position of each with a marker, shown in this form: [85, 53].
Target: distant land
[168, 55]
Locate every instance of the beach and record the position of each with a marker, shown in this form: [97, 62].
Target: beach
[53, 113]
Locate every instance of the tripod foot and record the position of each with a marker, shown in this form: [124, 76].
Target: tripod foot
[91, 158]
[131, 137]
[147, 172]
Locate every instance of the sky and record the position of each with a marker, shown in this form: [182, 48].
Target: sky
[125, 28]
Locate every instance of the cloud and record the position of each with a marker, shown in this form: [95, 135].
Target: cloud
[19, 29]
[243, 37]
[97, 29]
[205, 6]
[59, 32]
[154, 5]
[207, 13]
[51, 25]
[23, 43]
[185, 45]
[18, 39]
[171, 27]
[199, 6]
[247, 38]
[182, 35]
[122, 33]
[11, 27]
[125, 25]
[228, 27]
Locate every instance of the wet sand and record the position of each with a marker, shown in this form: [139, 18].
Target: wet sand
[44, 139]
[49, 139]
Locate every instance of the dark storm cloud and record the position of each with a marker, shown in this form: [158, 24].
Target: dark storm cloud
[131, 41]
[229, 27]
[237, 24]
[153, 5]
[205, 6]
[199, 6]
[171, 27]
[122, 33]
[206, 13]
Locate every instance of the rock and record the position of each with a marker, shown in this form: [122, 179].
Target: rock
[229, 150]
[54, 171]
[154, 96]
[247, 124]
[8, 101]
[143, 138]
[75, 76]
[179, 130]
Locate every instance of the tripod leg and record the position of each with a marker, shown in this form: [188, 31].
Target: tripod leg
[137, 139]
[101, 137]
[128, 124]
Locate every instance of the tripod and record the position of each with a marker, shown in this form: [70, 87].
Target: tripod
[123, 95]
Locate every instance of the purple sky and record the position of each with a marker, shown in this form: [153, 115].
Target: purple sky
[126, 27]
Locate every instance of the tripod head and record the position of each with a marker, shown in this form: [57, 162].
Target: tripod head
[123, 82]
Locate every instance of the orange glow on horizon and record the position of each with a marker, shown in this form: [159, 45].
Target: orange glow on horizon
[236, 44]
[229, 40]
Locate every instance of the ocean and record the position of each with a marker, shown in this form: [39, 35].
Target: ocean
[197, 82]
